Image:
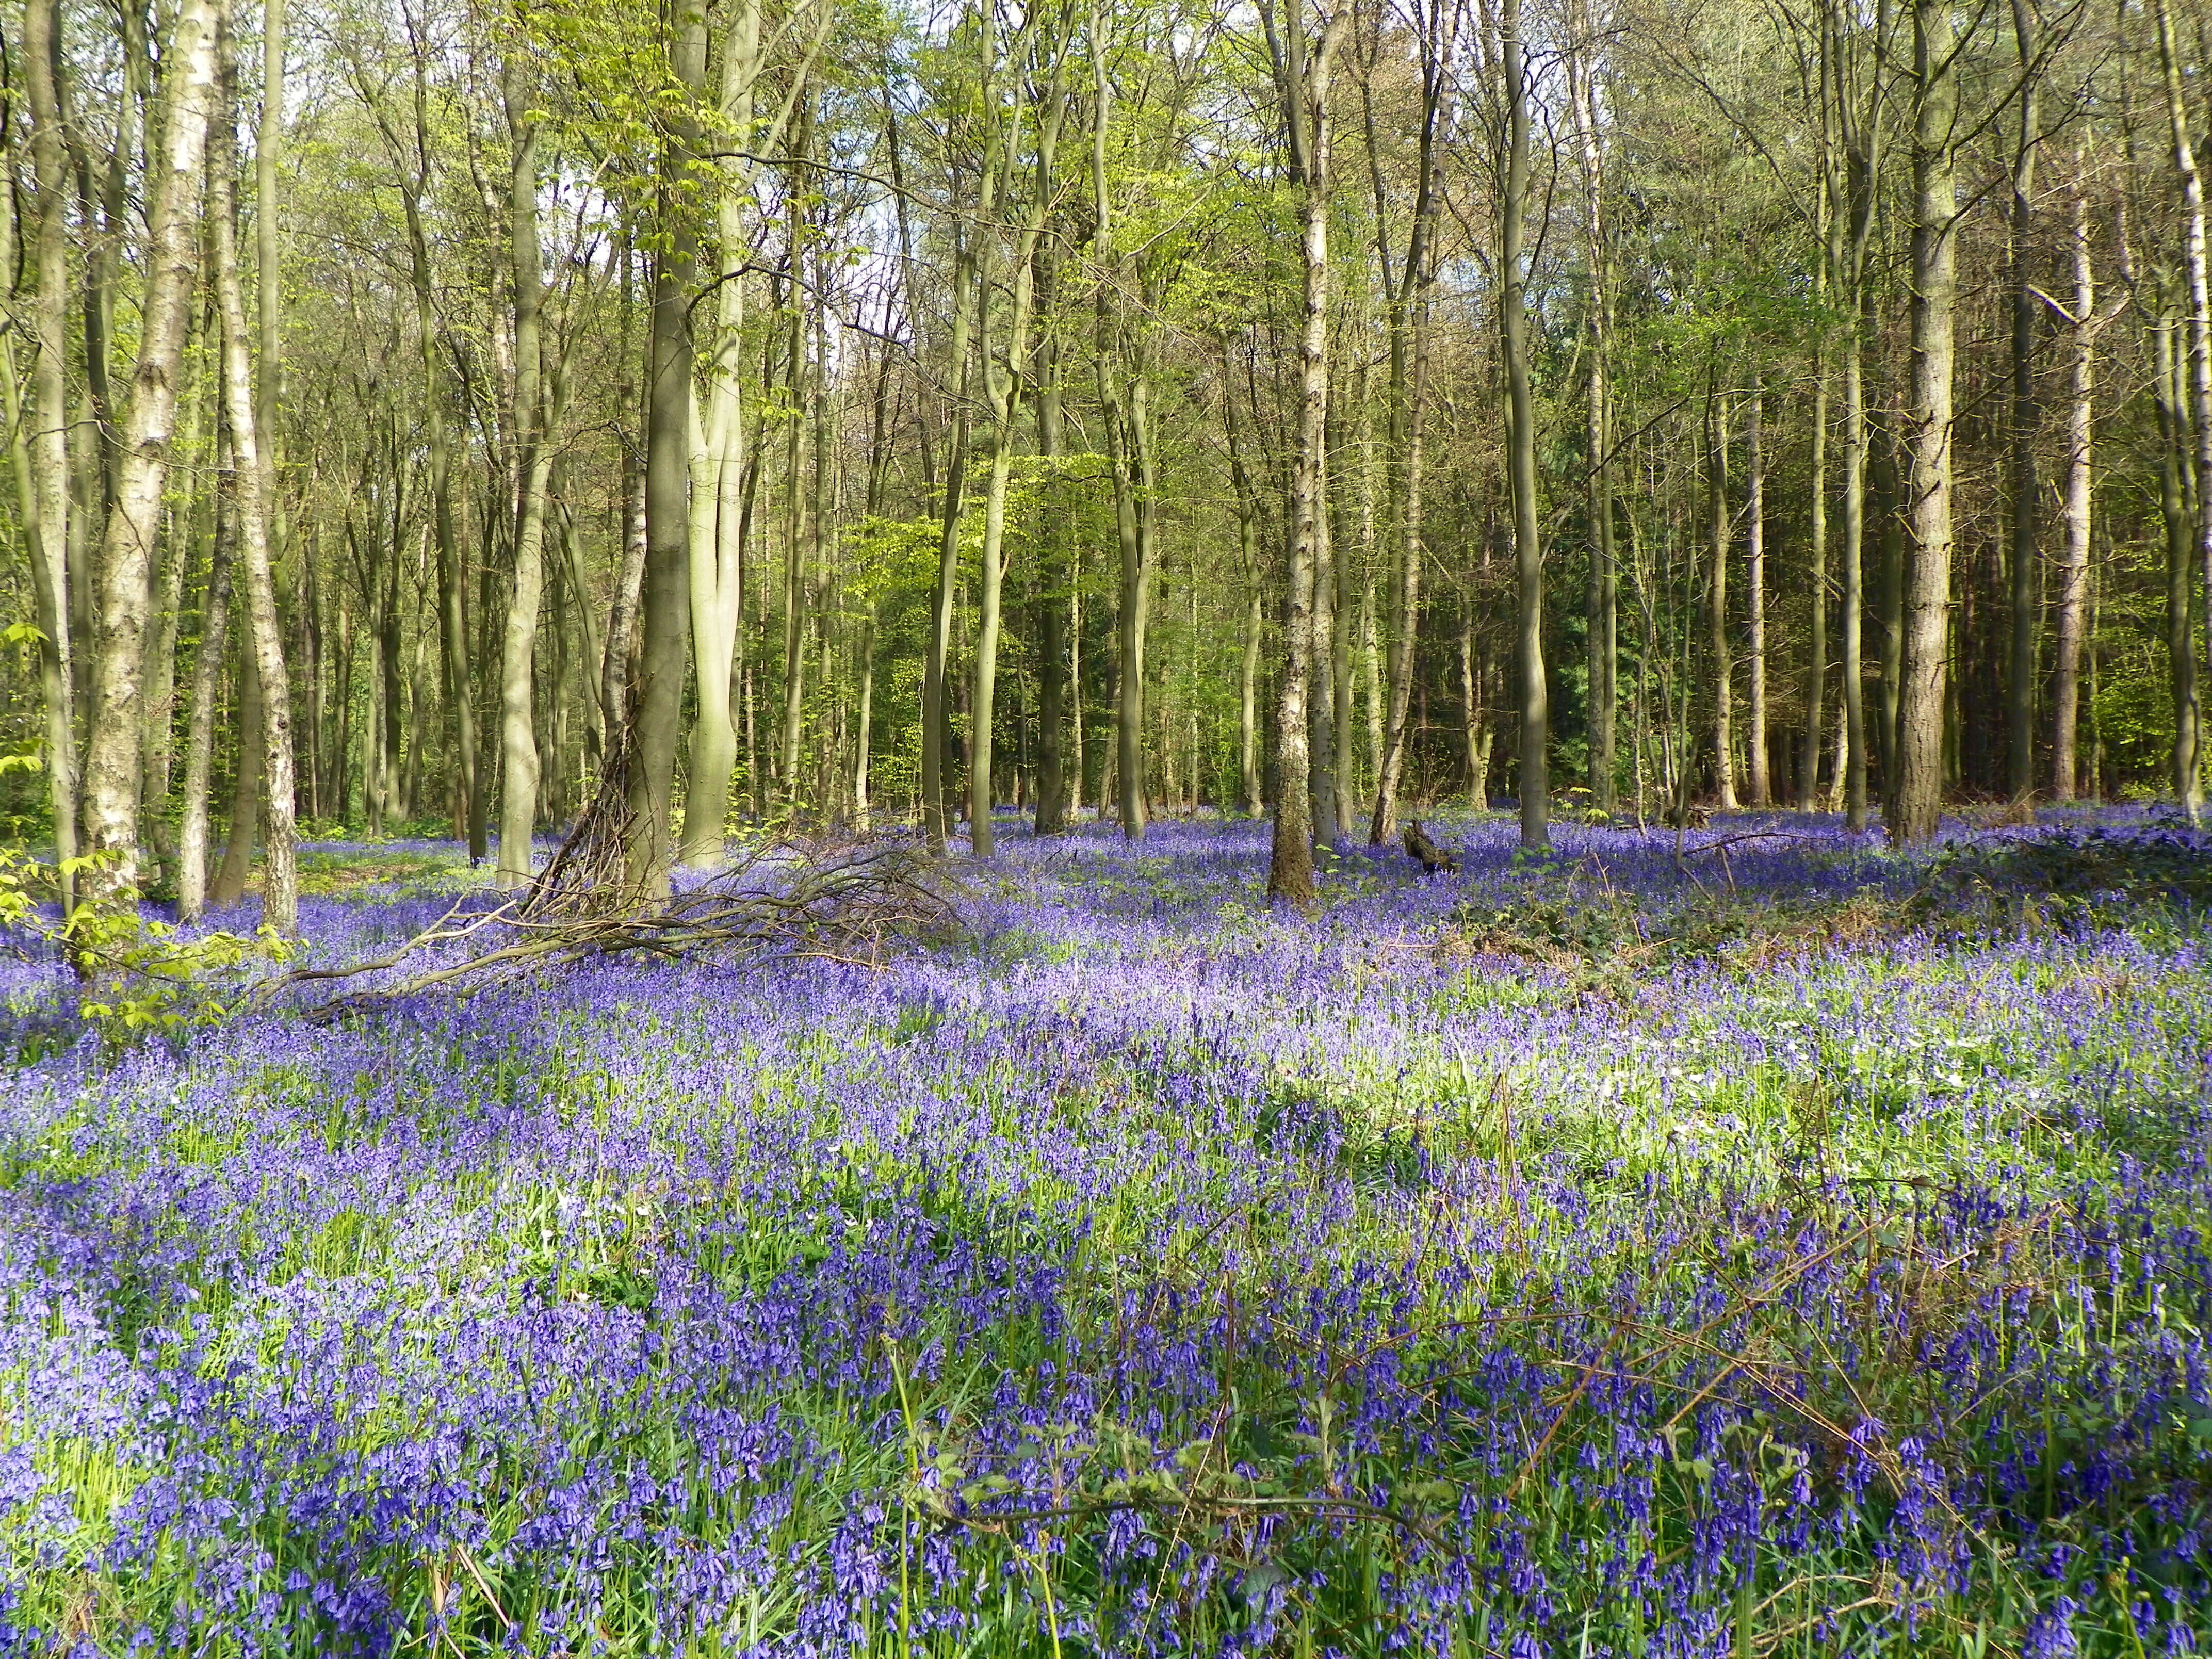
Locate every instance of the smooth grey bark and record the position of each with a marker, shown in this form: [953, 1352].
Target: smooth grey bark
[665, 626]
[1922, 694]
[1005, 380]
[1247, 547]
[531, 422]
[1754, 513]
[1053, 575]
[2085, 321]
[2024, 420]
[206, 685]
[1323, 688]
[254, 472]
[937, 809]
[1302, 78]
[42, 478]
[2199, 356]
[1124, 398]
[2180, 525]
[1410, 308]
[1535, 784]
[1602, 597]
[112, 772]
[1719, 662]
[719, 465]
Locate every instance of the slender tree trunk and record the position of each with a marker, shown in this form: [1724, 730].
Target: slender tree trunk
[937, 804]
[2180, 548]
[519, 751]
[234, 874]
[2027, 572]
[111, 767]
[863, 730]
[1754, 511]
[1004, 386]
[1322, 689]
[1601, 620]
[1247, 547]
[1521, 442]
[718, 521]
[42, 465]
[665, 596]
[1053, 577]
[207, 686]
[1860, 163]
[2081, 449]
[1934, 285]
[2200, 325]
[1409, 377]
[1716, 640]
[1305, 88]
[254, 470]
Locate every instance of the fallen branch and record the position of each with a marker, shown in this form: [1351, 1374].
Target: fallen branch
[845, 900]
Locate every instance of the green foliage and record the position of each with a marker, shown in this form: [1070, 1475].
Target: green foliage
[139, 976]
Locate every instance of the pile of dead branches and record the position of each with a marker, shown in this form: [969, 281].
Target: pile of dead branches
[845, 901]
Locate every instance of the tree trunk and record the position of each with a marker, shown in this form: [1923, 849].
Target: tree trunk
[254, 470]
[111, 766]
[1754, 511]
[2081, 436]
[1053, 577]
[2027, 584]
[1535, 783]
[233, 875]
[518, 735]
[1409, 380]
[1716, 640]
[1303, 86]
[2180, 548]
[937, 807]
[1601, 606]
[1003, 387]
[1927, 620]
[42, 459]
[207, 686]
[2200, 325]
[665, 596]
[1322, 689]
[1247, 547]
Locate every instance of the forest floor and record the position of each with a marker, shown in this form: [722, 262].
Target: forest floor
[1756, 1245]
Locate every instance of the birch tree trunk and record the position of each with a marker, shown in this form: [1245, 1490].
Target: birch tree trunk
[111, 773]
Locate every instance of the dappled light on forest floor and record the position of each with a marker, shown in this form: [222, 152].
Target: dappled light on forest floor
[1744, 1243]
